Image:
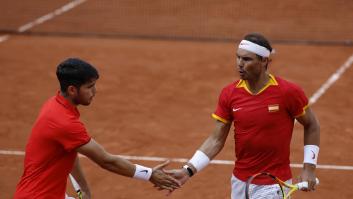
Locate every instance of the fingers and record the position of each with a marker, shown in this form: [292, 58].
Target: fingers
[173, 182]
[172, 179]
[311, 185]
[160, 178]
[307, 185]
[175, 173]
[161, 189]
[169, 172]
[166, 185]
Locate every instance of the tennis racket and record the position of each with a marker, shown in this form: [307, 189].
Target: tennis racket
[76, 186]
[279, 189]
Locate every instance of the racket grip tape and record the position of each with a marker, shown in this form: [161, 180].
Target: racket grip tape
[305, 185]
[76, 186]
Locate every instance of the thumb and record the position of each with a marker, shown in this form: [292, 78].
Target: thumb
[168, 171]
[161, 166]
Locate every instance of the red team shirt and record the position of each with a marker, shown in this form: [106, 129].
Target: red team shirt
[50, 151]
[263, 125]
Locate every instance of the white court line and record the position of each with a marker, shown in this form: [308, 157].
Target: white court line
[45, 18]
[51, 15]
[4, 38]
[183, 160]
[333, 78]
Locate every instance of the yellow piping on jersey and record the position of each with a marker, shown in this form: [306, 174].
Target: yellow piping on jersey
[271, 82]
[219, 118]
[302, 113]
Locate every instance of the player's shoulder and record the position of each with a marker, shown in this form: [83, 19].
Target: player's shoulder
[57, 112]
[286, 84]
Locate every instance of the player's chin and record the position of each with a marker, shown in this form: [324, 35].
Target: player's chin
[243, 77]
[86, 103]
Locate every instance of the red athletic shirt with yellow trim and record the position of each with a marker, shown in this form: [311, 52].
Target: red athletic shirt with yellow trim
[263, 125]
[50, 151]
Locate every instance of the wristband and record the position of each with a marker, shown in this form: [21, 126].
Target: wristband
[311, 152]
[200, 160]
[142, 173]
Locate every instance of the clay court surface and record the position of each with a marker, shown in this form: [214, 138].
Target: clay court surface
[155, 96]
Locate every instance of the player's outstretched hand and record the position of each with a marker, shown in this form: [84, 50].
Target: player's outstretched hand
[179, 174]
[162, 180]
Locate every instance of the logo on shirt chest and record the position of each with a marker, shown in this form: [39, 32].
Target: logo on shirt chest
[236, 109]
[273, 108]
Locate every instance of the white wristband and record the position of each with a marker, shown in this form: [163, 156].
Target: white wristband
[311, 153]
[200, 160]
[142, 173]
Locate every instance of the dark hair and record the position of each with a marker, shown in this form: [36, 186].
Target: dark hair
[76, 72]
[259, 39]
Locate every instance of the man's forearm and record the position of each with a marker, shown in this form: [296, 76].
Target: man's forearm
[312, 135]
[119, 165]
[211, 147]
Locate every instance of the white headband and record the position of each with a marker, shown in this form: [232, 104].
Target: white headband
[254, 48]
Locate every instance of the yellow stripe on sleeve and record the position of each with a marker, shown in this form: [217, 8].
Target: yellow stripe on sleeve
[303, 113]
[219, 118]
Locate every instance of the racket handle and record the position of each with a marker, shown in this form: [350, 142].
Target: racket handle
[304, 185]
[75, 184]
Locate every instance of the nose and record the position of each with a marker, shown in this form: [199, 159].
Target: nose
[94, 91]
[240, 63]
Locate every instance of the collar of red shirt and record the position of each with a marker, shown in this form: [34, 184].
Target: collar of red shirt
[66, 103]
[271, 82]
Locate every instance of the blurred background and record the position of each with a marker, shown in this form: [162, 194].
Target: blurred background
[325, 21]
[162, 65]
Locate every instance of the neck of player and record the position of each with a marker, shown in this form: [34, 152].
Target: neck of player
[256, 84]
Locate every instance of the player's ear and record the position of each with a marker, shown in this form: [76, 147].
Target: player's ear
[265, 61]
[72, 91]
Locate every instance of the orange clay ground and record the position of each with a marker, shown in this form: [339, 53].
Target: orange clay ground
[155, 98]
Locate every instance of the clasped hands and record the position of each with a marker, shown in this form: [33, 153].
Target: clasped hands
[168, 179]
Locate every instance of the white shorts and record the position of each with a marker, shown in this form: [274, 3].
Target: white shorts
[267, 191]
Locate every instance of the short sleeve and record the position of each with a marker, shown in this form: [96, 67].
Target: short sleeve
[73, 135]
[296, 101]
[223, 111]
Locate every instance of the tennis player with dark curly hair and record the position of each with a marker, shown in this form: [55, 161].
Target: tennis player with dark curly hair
[58, 135]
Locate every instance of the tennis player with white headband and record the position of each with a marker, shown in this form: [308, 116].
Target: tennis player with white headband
[263, 108]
